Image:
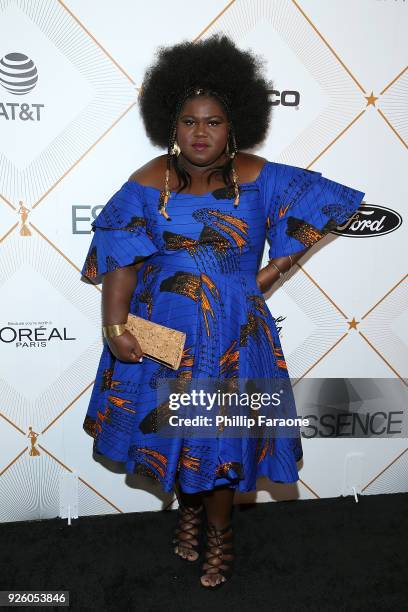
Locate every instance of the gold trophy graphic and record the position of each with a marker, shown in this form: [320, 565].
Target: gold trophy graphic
[33, 435]
[23, 212]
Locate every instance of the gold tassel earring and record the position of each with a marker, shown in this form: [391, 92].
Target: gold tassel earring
[165, 194]
[235, 178]
[236, 186]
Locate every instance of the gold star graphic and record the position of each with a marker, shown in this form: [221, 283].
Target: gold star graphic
[353, 323]
[371, 99]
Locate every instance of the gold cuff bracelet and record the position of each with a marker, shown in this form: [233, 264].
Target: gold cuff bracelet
[111, 331]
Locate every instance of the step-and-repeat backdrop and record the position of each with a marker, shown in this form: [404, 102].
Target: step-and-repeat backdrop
[70, 135]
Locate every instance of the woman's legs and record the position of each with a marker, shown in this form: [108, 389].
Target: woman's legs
[218, 506]
[189, 520]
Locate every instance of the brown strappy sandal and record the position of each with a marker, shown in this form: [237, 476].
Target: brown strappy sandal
[219, 557]
[186, 533]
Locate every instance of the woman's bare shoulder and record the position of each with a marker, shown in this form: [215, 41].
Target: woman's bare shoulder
[249, 166]
[151, 173]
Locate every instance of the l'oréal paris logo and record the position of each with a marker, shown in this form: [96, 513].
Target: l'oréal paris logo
[33, 334]
[370, 221]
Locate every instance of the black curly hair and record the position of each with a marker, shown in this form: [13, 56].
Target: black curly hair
[219, 68]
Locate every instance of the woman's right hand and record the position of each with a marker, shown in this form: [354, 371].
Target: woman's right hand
[125, 347]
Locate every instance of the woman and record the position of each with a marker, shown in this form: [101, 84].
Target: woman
[180, 244]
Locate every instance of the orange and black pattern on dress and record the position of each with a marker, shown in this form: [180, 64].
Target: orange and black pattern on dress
[91, 264]
[107, 381]
[122, 413]
[197, 464]
[230, 228]
[177, 381]
[139, 225]
[306, 233]
[156, 419]
[258, 306]
[89, 426]
[264, 448]
[145, 295]
[222, 470]
[162, 375]
[153, 461]
[222, 237]
[135, 223]
[93, 426]
[104, 383]
[201, 289]
[117, 415]
[198, 287]
[257, 329]
[229, 360]
[188, 460]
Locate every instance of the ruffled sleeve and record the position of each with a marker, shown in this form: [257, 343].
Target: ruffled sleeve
[302, 206]
[121, 236]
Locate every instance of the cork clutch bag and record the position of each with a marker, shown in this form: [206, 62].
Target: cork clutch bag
[160, 343]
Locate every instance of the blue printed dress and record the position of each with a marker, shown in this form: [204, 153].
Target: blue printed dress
[199, 277]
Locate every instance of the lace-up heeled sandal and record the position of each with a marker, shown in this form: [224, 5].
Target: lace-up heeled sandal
[218, 557]
[185, 535]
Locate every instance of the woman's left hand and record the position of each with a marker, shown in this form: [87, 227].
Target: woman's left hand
[266, 277]
[263, 280]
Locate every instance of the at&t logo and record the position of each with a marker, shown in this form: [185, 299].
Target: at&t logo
[19, 76]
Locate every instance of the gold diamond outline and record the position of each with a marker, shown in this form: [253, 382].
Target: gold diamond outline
[117, 65]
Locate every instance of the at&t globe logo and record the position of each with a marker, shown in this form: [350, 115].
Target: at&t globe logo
[18, 73]
[18, 76]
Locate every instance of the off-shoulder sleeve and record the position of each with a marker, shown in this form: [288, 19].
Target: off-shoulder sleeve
[121, 235]
[302, 206]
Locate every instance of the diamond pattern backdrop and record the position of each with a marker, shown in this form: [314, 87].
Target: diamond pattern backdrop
[68, 143]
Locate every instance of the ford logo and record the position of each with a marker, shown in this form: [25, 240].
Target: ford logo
[370, 221]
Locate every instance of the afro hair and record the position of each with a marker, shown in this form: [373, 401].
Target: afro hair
[213, 64]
